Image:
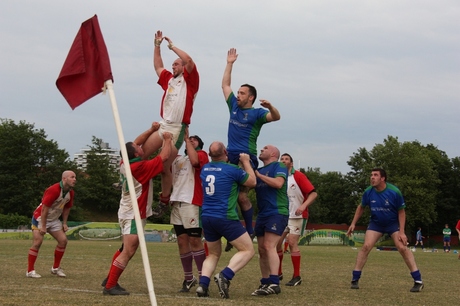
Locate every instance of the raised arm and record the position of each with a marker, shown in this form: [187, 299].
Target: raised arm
[191, 152]
[186, 59]
[166, 149]
[273, 113]
[140, 140]
[157, 60]
[227, 78]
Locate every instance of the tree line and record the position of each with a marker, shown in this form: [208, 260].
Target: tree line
[427, 177]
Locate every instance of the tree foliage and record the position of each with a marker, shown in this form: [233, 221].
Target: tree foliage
[29, 163]
[95, 190]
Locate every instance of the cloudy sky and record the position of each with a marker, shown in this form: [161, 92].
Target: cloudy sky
[343, 74]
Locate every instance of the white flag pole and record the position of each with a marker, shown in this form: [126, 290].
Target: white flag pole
[140, 228]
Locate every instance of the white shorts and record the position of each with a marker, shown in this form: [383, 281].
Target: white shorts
[185, 214]
[128, 226]
[296, 226]
[51, 226]
[176, 130]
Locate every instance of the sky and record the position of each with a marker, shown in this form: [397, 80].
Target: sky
[343, 74]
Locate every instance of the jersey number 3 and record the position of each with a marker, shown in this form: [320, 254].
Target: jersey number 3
[210, 188]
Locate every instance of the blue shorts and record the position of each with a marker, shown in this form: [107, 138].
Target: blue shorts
[386, 229]
[446, 239]
[273, 224]
[234, 158]
[216, 228]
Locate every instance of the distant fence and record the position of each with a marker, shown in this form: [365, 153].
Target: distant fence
[315, 234]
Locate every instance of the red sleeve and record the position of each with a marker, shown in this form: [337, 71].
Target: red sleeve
[164, 78]
[203, 158]
[192, 78]
[458, 225]
[304, 183]
[51, 194]
[146, 170]
[305, 186]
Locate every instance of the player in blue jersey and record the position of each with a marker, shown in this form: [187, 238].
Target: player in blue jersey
[244, 127]
[388, 216]
[272, 219]
[221, 182]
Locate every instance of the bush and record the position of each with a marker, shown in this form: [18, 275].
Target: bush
[13, 221]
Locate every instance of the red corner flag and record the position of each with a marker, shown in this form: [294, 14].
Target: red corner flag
[86, 67]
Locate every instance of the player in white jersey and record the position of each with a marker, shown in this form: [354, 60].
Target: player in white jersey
[180, 89]
[57, 200]
[187, 199]
[301, 195]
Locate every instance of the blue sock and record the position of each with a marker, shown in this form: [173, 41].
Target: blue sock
[228, 273]
[416, 276]
[274, 279]
[247, 216]
[356, 275]
[204, 281]
[265, 281]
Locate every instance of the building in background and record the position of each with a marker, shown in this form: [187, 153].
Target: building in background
[80, 159]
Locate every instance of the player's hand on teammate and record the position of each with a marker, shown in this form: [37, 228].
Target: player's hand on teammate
[155, 126]
[167, 136]
[244, 157]
[186, 134]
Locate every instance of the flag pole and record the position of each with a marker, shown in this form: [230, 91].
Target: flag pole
[137, 217]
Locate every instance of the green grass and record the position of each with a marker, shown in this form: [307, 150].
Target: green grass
[326, 272]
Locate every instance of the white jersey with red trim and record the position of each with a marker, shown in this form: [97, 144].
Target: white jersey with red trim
[56, 199]
[179, 95]
[299, 187]
[142, 172]
[186, 179]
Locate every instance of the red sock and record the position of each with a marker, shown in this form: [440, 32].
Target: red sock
[280, 269]
[32, 257]
[116, 255]
[286, 245]
[295, 257]
[115, 271]
[113, 259]
[58, 253]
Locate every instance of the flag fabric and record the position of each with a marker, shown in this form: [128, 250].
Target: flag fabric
[86, 67]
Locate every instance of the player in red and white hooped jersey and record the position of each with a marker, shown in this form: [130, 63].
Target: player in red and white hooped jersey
[186, 200]
[301, 195]
[180, 89]
[57, 200]
[142, 171]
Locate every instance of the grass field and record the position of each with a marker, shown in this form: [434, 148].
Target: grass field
[326, 272]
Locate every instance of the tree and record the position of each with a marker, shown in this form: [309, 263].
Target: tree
[95, 190]
[29, 163]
